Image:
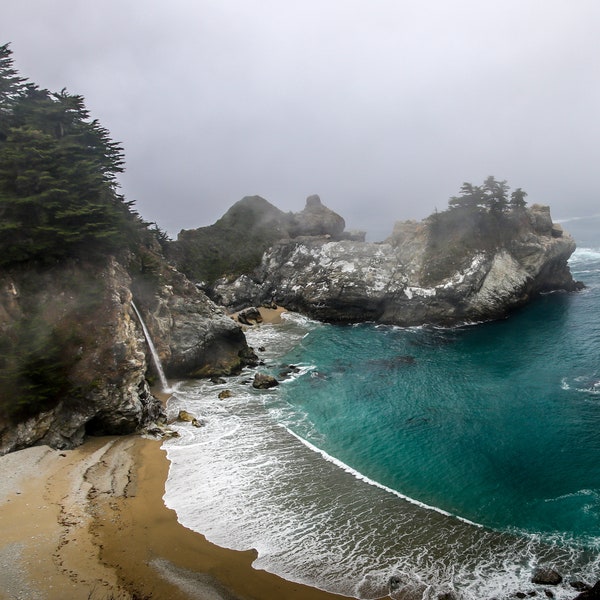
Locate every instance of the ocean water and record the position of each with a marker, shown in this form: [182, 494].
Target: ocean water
[455, 459]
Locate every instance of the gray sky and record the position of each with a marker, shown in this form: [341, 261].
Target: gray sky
[382, 107]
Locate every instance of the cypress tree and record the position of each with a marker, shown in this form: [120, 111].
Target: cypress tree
[58, 176]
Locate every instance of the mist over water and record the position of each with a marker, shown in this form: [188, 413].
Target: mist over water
[456, 459]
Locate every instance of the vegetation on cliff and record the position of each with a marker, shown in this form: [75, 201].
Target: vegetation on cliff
[481, 218]
[61, 219]
[234, 244]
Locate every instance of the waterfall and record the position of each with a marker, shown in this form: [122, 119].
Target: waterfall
[163, 380]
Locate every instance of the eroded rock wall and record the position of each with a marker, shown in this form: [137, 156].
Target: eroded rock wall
[74, 359]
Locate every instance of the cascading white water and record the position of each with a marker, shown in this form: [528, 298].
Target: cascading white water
[161, 374]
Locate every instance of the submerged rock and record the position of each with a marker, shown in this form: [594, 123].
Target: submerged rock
[394, 583]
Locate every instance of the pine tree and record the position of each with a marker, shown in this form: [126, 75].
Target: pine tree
[11, 88]
[58, 176]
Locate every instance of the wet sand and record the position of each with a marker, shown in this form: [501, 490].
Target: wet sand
[90, 523]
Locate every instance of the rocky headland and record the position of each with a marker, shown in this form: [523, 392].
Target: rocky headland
[455, 266]
[75, 358]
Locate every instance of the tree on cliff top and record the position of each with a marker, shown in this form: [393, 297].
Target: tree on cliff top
[491, 197]
[58, 169]
[481, 217]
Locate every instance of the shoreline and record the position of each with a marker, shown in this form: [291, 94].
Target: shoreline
[91, 522]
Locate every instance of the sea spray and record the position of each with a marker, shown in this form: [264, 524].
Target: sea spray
[155, 358]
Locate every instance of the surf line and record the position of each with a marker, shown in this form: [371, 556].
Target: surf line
[358, 475]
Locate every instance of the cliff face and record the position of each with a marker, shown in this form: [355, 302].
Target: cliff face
[428, 272]
[74, 359]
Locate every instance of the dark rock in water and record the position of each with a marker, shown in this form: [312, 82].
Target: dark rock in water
[580, 586]
[590, 594]
[549, 593]
[546, 576]
[261, 349]
[447, 596]
[394, 583]
[250, 316]
[520, 595]
[225, 394]
[287, 370]
[248, 356]
[218, 380]
[263, 381]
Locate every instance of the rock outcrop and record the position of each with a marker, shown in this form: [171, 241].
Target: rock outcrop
[74, 359]
[448, 269]
[234, 245]
[316, 219]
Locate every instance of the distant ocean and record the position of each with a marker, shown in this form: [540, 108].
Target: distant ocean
[455, 459]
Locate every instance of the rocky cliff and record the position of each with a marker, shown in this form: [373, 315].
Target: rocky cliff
[236, 242]
[73, 357]
[453, 267]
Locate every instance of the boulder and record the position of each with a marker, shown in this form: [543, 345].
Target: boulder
[225, 394]
[250, 316]
[187, 417]
[546, 576]
[263, 381]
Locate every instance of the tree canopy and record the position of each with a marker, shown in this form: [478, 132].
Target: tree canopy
[58, 176]
[492, 196]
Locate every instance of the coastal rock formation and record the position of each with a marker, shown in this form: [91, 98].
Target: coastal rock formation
[236, 242]
[453, 267]
[74, 359]
[317, 219]
[193, 336]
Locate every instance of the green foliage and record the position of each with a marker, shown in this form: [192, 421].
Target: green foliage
[33, 369]
[492, 197]
[481, 218]
[58, 170]
[234, 244]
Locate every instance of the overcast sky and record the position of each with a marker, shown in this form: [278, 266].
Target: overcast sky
[382, 107]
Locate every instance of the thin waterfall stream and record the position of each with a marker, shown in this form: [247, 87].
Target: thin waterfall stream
[161, 374]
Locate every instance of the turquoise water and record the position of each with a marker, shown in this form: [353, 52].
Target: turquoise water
[457, 459]
[498, 423]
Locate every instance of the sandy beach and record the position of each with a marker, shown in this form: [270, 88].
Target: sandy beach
[90, 523]
[269, 315]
